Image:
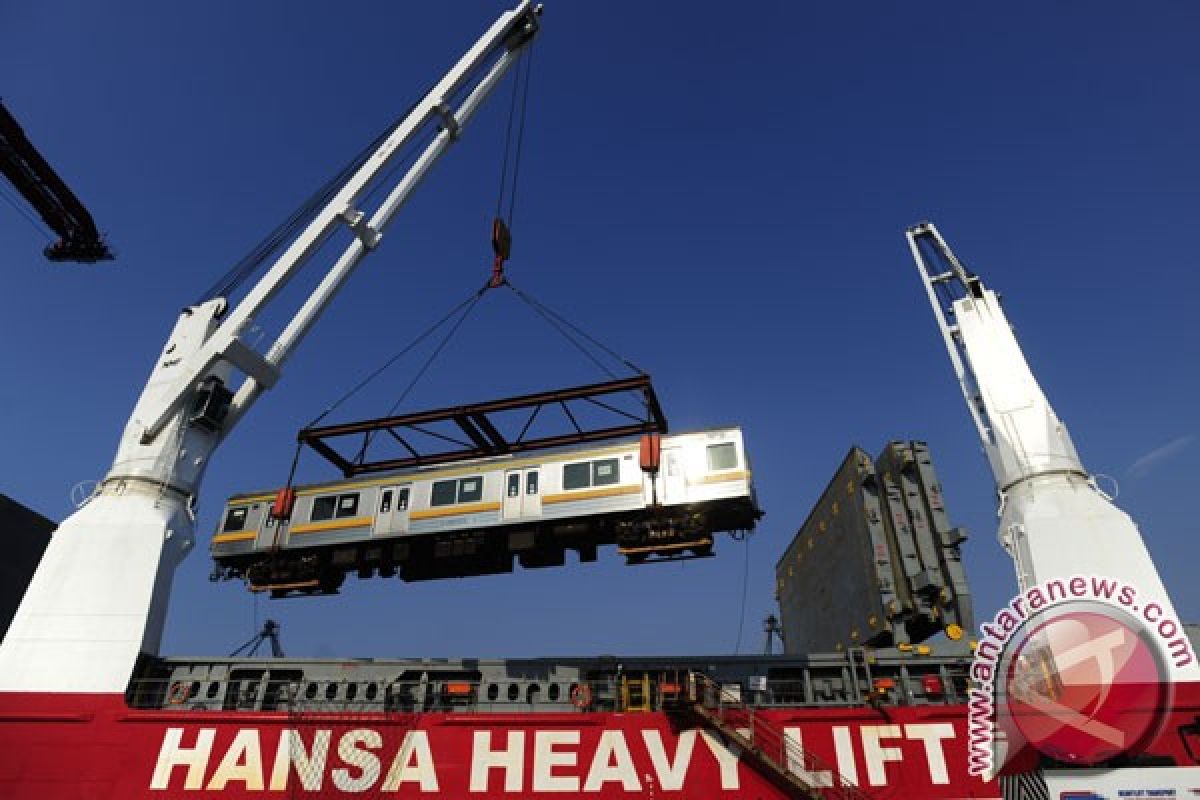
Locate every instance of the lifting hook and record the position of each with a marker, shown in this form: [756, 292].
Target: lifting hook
[501, 247]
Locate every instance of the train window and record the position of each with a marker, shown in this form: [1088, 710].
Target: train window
[470, 490]
[385, 502]
[531, 483]
[444, 493]
[235, 520]
[722, 456]
[402, 500]
[605, 472]
[577, 476]
[347, 505]
[323, 508]
[514, 485]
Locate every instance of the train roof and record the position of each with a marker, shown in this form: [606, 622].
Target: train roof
[468, 466]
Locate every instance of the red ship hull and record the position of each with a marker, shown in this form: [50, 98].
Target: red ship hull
[54, 747]
[95, 747]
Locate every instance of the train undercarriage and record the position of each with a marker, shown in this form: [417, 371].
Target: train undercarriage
[667, 533]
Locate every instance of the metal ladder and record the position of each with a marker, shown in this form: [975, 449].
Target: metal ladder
[762, 742]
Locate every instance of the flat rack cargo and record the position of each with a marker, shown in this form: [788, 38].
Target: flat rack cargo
[876, 563]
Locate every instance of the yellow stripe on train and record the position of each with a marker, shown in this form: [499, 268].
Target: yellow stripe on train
[612, 491]
[333, 525]
[242, 536]
[721, 477]
[453, 511]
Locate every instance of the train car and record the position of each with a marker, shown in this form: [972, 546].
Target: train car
[474, 518]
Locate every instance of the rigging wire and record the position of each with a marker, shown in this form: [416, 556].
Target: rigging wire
[737, 648]
[508, 133]
[512, 199]
[561, 324]
[375, 373]
[362, 452]
[393, 359]
[24, 212]
[513, 150]
[462, 311]
[521, 90]
[436, 351]
[517, 119]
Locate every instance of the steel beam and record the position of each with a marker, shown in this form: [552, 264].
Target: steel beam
[475, 421]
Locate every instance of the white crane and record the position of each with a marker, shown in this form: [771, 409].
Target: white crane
[1054, 521]
[98, 599]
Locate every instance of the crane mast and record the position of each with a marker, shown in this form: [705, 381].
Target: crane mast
[99, 596]
[1054, 521]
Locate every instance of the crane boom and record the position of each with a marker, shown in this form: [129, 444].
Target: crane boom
[100, 594]
[1054, 521]
[32, 176]
[1021, 434]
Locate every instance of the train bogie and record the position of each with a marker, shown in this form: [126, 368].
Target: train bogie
[476, 518]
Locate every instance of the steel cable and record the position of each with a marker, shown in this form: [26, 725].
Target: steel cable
[558, 321]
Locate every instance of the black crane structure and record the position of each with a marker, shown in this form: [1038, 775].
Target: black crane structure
[269, 633]
[774, 631]
[484, 432]
[32, 176]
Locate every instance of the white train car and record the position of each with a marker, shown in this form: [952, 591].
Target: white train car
[473, 518]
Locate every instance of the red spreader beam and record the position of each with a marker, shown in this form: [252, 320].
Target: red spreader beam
[475, 432]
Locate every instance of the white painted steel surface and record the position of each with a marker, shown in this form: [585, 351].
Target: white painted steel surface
[99, 596]
[1054, 522]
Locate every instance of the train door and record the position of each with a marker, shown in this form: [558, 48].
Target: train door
[673, 487]
[522, 493]
[392, 514]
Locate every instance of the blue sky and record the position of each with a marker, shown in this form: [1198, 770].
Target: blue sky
[719, 192]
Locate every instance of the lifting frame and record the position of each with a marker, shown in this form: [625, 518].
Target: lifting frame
[482, 432]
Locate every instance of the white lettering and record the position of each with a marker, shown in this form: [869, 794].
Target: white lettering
[242, 762]
[511, 760]
[671, 775]
[727, 760]
[932, 735]
[412, 764]
[546, 758]
[171, 755]
[555, 756]
[843, 747]
[291, 752]
[876, 755]
[353, 756]
[798, 761]
[612, 762]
